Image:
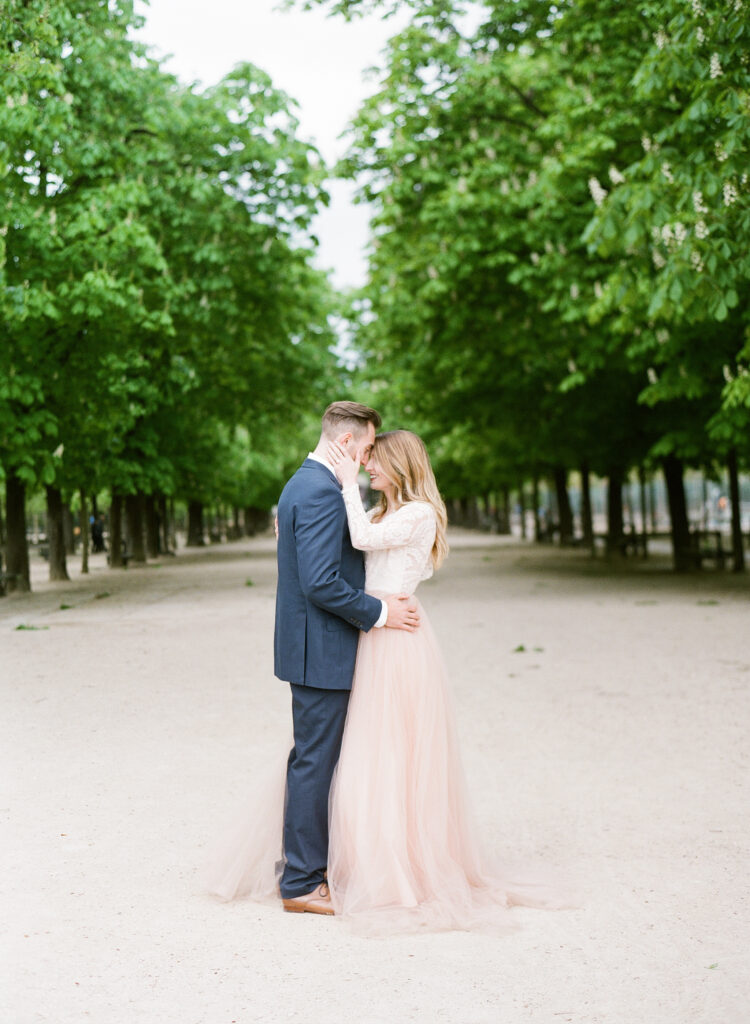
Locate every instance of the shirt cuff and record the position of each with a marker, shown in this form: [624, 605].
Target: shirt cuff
[383, 617]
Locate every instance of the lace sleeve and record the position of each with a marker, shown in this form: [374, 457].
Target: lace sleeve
[397, 530]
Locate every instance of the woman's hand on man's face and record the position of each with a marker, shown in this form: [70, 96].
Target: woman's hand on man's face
[345, 467]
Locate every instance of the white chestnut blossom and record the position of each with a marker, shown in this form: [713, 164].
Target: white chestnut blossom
[698, 204]
[572, 368]
[661, 39]
[662, 335]
[562, 249]
[574, 292]
[696, 261]
[615, 176]
[721, 153]
[680, 232]
[548, 247]
[727, 373]
[652, 376]
[666, 170]
[666, 234]
[598, 194]
[697, 8]
[701, 229]
[658, 259]
[646, 143]
[715, 66]
[700, 34]
[598, 290]
[534, 257]
[730, 193]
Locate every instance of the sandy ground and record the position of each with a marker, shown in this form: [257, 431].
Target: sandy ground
[615, 744]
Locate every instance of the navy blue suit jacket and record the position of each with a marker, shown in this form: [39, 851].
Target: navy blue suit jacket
[320, 601]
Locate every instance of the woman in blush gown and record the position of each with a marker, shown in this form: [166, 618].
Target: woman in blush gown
[403, 849]
[403, 853]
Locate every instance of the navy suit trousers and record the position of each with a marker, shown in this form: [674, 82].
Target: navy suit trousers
[319, 717]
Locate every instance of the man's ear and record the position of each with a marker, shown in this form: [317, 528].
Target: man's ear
[344, 439]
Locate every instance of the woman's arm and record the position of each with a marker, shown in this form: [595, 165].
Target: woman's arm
[395, 531]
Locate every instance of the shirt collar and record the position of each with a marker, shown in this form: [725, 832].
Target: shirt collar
[317, 458]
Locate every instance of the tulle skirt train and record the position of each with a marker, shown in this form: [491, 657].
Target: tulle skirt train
[404, 852]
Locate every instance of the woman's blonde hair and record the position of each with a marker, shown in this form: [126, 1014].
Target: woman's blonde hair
[403, 459]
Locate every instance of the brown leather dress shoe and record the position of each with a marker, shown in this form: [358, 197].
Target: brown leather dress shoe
[316, 902]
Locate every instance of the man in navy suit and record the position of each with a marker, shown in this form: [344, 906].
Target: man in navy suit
[320, 608]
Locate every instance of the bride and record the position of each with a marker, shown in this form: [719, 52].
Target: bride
[403, 849]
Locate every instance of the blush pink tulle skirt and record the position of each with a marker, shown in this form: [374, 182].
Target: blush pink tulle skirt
[404, 852]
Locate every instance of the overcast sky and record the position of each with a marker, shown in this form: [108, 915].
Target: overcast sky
[319, 61]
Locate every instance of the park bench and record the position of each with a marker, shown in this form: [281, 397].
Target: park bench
[5, 579]
[631, 542]
[707, 546]
[126, 555]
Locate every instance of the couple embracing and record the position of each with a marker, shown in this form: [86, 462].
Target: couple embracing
[371, 819]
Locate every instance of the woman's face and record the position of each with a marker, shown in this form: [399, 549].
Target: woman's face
[378, 480]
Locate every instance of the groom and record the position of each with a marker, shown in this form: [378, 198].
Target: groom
[320, 608]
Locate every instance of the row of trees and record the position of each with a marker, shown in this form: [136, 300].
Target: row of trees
[160, 315]
[561, 242]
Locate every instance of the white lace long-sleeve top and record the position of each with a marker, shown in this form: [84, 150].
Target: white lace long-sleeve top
[398, 547]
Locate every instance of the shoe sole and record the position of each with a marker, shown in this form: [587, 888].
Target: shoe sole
[295, 908]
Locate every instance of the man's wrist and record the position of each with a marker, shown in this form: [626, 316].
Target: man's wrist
[383, 617]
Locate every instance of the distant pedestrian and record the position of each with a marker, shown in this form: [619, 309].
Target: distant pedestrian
[97, 534]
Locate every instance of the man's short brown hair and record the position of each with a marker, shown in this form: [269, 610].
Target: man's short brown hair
[341, 417]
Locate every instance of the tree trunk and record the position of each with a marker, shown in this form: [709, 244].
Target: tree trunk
[522, 509]
[134, 519]
[503, 512]
[2, 550]
[564, 511]
[84, 533]
[615, 535]
[115, 532]
[16, 545]
[236, 529]
[152, 526]
[738, 553]
[587, 520]
[644, 510]
[256, 519]
[172, 521]
[195, 525]
[535, 502]
[652, 505]
[678, 514]
[58, 569]
[164, 524]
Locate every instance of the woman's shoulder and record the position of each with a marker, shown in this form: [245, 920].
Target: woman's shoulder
[418, 510]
